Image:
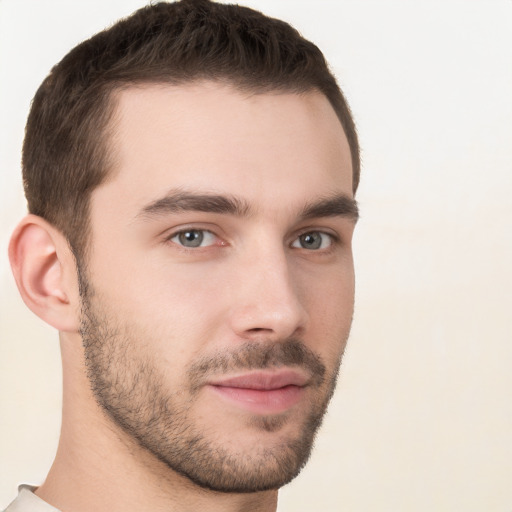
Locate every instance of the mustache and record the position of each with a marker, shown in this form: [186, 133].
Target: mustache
[259, 356]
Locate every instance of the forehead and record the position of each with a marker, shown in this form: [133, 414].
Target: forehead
[209, 136]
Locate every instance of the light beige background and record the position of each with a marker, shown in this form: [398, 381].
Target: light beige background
[422, 418]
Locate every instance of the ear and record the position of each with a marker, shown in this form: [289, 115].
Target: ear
[45, 272]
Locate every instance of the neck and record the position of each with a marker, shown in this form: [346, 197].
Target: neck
[100, 467]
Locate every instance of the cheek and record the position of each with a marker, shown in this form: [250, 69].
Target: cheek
[330, 293]
[330, 304]
[177, 308]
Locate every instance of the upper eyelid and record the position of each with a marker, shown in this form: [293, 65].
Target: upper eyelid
[335, 238]
[172, 232]
[168, 240]
[334, 234]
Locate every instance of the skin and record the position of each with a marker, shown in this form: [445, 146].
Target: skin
[253, 282]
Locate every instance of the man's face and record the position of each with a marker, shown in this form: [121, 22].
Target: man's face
[219, 288]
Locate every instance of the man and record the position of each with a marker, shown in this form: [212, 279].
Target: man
[190, 174]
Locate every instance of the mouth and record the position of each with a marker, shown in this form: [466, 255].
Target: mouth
[262, 392]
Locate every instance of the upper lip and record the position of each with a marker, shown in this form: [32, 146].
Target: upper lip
[264, 380]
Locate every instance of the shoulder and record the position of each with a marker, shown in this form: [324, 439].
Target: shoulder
[27, 501]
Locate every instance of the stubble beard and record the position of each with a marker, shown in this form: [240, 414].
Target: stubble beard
[129, 386]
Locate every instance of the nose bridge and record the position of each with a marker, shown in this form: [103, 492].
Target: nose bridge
[268, 298]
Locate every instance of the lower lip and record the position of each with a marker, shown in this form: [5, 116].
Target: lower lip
[262, 401]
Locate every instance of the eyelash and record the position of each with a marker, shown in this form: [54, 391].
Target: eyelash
[183, 232]
[330, 238]
[333, 240]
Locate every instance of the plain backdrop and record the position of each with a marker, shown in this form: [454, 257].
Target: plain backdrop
[422, 418]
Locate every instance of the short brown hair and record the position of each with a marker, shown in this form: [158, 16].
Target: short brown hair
[66, 148]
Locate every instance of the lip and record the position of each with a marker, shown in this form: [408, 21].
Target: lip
[262, 392]
[264, 380]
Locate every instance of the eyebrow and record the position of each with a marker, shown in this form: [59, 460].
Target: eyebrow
[339, 205]
[177, 201]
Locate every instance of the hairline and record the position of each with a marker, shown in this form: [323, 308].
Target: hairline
[112, 97]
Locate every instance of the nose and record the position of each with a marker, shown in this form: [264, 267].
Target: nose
[267, 302]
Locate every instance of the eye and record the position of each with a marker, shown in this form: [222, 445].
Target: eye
[313, 241]
[191, 238]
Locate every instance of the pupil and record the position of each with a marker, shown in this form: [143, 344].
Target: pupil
[311, 241]
[191, 238]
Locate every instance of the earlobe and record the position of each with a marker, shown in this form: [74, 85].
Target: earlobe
[40, 260]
